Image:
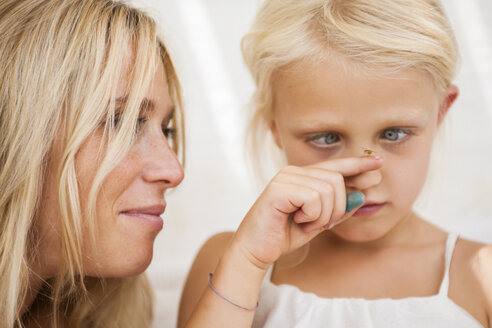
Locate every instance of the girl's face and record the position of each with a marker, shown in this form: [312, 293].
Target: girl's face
[131, 198]
[324, 112]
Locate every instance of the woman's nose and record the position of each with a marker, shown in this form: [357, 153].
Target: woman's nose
[162, 164]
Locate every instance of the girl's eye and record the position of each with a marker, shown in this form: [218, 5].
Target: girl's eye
[325, 139]
[394, 134]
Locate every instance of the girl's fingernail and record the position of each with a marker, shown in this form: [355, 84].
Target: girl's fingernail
[354, 200]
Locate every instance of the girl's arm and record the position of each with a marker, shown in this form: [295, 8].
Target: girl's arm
[233, 277]
[296, 205]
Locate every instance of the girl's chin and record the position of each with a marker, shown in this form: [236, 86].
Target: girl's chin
[359, 234]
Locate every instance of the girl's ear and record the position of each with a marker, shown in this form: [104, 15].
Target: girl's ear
[276, 136]
[447, 101]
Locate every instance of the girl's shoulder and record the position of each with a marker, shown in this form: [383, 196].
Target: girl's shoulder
[473, 259]
[471, 279]
[205, 262]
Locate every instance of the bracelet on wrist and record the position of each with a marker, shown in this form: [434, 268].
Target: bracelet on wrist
[226, 299]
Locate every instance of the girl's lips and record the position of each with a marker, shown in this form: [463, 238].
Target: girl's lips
[369, 209]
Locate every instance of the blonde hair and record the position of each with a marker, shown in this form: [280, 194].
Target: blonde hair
[382, 35]
[60, 63]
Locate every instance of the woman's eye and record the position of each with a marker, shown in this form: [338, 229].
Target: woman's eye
[394, 134]
[169, 133]
[325, 139]
[117, 120]
[141, 122]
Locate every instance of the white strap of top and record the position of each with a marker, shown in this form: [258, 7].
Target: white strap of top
[268, 276]
[450, 243]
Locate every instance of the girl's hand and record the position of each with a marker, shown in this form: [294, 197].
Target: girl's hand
[297, 204]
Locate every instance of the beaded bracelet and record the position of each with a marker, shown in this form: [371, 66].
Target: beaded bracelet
[226, 299]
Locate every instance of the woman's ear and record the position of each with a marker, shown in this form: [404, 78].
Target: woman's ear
[448, 99]
[275, 134]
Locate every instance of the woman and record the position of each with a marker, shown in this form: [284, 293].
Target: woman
[74, 170]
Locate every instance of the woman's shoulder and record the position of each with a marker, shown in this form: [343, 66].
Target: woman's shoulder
[471, 278]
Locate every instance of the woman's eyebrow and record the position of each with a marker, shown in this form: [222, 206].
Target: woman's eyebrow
[147, 105]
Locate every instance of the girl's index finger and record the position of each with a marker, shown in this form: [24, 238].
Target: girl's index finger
[351, 166]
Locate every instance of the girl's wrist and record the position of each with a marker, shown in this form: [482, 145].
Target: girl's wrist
[236, 260]
[238, 278]
[238, 253]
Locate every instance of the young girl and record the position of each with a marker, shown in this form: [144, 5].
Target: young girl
[341, 79]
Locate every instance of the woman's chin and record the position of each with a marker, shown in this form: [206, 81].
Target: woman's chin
[123, 264]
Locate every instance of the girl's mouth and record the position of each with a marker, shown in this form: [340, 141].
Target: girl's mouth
[369, 209]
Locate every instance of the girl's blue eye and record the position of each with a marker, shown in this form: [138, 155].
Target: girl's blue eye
[325, 139]
[394, 134]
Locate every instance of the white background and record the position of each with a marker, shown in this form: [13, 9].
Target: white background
[203, 37]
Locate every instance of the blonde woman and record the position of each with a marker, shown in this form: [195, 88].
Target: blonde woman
[90, 124]
[373, 78]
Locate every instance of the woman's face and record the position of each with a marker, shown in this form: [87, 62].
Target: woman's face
[131, 198]
[327, 112]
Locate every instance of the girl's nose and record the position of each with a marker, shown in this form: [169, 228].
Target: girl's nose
[364, 181]
[162, 164]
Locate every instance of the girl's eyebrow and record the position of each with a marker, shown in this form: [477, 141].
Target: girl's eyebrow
[309, 126]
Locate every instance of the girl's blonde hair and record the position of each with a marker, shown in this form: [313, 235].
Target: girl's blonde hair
[60, 63]
[382, 35]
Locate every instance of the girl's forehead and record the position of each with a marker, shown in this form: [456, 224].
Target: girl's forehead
[336, 68]
[330, 81]
[330, 93]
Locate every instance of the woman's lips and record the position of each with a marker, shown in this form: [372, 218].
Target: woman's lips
[150, 215]
[369, 209]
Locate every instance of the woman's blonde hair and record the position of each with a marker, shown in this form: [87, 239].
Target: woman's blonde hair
[381, 35]
[60, 63]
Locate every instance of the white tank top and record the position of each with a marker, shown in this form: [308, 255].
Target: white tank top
[287, 306]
